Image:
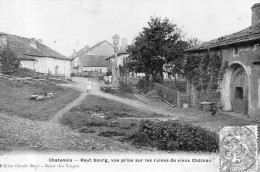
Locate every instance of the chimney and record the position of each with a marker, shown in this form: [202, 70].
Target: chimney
[255, 14]
[33, 43]
[124, 42]
[39, 41]
[86, 48]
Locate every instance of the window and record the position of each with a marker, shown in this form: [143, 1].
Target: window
[236, 49]
[239, 93]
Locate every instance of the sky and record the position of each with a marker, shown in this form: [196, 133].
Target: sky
[65, 25]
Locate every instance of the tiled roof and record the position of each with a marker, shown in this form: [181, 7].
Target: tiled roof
[94, 61]
[22, 48]
[82, 51]
[248, 34]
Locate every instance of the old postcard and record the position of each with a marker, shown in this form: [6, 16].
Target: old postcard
[110, 85]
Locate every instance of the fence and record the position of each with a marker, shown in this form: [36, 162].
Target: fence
[168, 94]
[177, 97]
[129, 81]
[193, 98]
[176, 85]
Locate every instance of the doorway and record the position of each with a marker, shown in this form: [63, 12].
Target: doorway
[239, 90]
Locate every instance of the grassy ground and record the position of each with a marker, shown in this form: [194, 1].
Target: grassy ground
[14, 96]
[111, 126]
[100, 104]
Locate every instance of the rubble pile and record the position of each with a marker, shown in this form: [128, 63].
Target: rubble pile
[41, 96]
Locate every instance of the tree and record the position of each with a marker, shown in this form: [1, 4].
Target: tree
[193, 41]
[158, 44]
[10, 62]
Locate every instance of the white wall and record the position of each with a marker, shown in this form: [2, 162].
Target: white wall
[63, 67]
[48, 65]
[29, 64]
[120, 59]
[41, 64]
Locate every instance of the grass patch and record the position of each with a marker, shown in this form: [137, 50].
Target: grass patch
[15, 96]
[98, 104]
[100, 118]
[83, 119]
[111, 133]
[86, 130]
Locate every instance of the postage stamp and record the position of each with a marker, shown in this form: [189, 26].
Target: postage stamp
[238, 149]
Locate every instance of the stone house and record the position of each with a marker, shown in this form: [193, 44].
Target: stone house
[36, 56]
[240, 86]
[93, 63]
[91, 59]
[120, 60]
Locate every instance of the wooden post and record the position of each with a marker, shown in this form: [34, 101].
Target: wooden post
[178, 99]
[193, 96]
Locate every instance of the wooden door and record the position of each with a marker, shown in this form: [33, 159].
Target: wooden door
[239, 91]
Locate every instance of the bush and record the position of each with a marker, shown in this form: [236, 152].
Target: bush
[108, 73]
[107, 89]
[175, 136]
[24, 72]
[10, 62]
[124, 88]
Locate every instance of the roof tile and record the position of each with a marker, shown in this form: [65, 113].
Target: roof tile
[248, 34]
[21, 46]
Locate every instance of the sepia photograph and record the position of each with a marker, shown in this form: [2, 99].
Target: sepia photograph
[129, 85]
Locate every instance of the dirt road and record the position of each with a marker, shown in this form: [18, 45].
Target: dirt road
[191, 115]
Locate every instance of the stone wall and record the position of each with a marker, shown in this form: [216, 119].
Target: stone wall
[247, 54]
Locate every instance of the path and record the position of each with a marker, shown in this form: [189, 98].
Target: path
[80, 85]
[55, 118]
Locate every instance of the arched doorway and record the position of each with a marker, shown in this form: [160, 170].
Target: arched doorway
[239, 90]
[235, 89]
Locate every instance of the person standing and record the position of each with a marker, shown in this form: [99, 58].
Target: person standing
[88, 86]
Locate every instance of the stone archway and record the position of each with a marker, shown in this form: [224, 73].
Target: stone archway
[234, 92]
